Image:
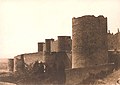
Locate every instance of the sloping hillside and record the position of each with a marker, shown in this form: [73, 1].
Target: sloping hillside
[6, 83]
[112, 78]
[3, 60]
[3, 66]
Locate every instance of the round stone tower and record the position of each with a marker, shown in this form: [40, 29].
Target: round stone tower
[89, 41]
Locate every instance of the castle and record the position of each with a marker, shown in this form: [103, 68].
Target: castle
[91, 45]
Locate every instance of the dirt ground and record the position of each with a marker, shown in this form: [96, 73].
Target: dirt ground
[110, 79]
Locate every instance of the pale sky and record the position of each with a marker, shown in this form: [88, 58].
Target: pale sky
[24, 23]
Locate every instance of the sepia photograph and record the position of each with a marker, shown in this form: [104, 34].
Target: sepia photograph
[59, 42]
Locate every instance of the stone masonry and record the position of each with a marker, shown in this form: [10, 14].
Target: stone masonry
[89, 41]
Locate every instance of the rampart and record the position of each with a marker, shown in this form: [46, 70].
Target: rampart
[29, 58]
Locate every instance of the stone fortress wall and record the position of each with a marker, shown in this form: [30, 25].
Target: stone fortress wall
[51, 52]
[91, 49]
[60, 55]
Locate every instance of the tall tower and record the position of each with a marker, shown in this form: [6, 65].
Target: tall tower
[10, 64]
[40, 46]
[47, 53]
[64, 44]
[89, 41]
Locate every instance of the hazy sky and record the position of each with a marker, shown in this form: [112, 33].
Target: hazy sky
[23, 23]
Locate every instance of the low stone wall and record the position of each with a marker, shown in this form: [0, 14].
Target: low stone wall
[77, 75]
[32, 57]
[28, 59]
